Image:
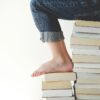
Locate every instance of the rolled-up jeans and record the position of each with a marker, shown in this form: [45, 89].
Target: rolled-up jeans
[47, 12]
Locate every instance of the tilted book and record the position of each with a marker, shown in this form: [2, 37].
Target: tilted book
[87, 23]
[56, 85]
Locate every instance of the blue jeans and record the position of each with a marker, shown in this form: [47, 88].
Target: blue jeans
[47, 12]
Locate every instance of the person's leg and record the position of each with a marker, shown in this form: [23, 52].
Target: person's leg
[45, 13]
[60, 62]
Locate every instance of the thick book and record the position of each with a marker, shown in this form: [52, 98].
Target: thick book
[87, 65]
[86, 35]
[62, 76]
[86, 52]
[60, 98]
[84, 41]
[87, 23]
[57, 93]
[92, 30]
[88, 89]
[88, 78]
[87, 97]
[56, 85]
[90, 47]
[85, 58]
[88, 70]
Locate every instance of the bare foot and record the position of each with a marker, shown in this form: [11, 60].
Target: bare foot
[53, 66]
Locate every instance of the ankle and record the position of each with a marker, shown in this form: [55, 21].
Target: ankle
[60, 59]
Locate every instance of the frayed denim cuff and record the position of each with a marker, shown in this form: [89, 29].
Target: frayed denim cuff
[51, 36]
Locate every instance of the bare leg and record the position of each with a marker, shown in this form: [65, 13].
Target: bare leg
[60, 62]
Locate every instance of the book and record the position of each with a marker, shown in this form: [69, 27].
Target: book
[60, 98]
[88, 78]
[84, 29]
[86, 52]
[88, 89]
[88, 81]
[85, 58]
[88, 75]
[88, 97]
[57, 93]
[87, 65]
[91, 86]
[84, 41]
[56, 85]
[86, 35]
[90, 47]
[64, 76]
[87, 23]
[88, 70]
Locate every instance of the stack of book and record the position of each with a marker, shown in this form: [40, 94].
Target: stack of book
[85, 46]
[58, 86]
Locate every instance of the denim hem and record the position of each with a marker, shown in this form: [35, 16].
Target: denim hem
[51, 36]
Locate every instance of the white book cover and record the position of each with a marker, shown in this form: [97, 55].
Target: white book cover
[86, 29]
[88, 75]
[88, 97]
[90, 47]
[86, 35]
[88, 81]
[86, 52]
[60, 98]
[56, 93]
[87, 70]
[89, 86]
[87, 65]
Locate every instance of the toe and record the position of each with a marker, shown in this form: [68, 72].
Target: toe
[34, 74]
[42, 72]
[38, 73]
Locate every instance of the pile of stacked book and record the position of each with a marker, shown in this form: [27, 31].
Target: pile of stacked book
[85, 46]
[58, 86]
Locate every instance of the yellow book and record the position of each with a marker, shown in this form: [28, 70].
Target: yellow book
[56, 85]
[87, 97]
[85, 58]
[87, 23]
[64, 76]
[87, 89]
[84, 41]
